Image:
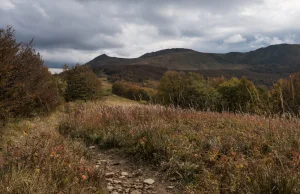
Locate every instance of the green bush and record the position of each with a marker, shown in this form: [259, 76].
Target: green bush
[82, 84]
[188, 90]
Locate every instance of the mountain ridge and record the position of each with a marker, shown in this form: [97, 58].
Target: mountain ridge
[278, 60]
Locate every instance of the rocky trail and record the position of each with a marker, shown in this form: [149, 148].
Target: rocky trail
[123, 175]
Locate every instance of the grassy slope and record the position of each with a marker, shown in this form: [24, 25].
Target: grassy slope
[37, 159]
[207, 152]
[111, 99]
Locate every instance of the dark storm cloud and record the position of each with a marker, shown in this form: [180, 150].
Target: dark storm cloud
[62, 24]
[79, 30]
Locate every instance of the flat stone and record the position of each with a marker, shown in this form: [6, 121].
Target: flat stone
[109, 174]
[109, 180]
[124, 173]
[149, 181]
[92, 147]
[170, 187]
[110, 188]
[172, 179]
[117, 181]
[135, 192]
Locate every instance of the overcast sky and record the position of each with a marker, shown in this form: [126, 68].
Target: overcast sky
[71, 31]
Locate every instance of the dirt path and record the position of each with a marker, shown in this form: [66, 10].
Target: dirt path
[122, 174]
[126, 176]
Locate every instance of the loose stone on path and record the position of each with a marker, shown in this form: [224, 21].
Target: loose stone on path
[149, 181]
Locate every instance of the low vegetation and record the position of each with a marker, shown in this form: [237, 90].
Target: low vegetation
[37, 159]
[208, 152]
[133, 91]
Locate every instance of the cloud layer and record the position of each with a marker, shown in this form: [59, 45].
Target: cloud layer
[70, 31]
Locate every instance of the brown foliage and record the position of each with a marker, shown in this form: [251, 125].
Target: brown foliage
[209, 152]
[26, 85]
[41, 161]
[132, 91]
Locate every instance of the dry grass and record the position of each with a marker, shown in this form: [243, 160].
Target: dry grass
[115, 100]
[207, 152]
[37, 159]
[106, 87]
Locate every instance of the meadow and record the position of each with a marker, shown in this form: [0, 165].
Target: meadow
[35, 158]
[207, 152]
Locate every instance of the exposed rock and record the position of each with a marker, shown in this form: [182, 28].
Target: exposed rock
[117, 181]
[101, 161]
[173, 179]
[135, 192]
[149, 181]
[124, 173]
[109, 180]
[124, 177]
[110, 188]
[109, 174]
[92, 147]
[170, 187]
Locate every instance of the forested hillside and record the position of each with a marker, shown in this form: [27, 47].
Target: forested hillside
[263, 66]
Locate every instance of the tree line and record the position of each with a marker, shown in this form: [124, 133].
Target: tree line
[190, 90]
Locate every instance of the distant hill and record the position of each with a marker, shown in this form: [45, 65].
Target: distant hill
[264, 65]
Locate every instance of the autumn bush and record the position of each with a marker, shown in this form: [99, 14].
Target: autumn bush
[27, 87]
[131, 91]
[237, 95]
[39, 160]
[82, 84]
[208, 152]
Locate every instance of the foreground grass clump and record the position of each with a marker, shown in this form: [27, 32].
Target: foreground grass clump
[36, 159]
[208, 152]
